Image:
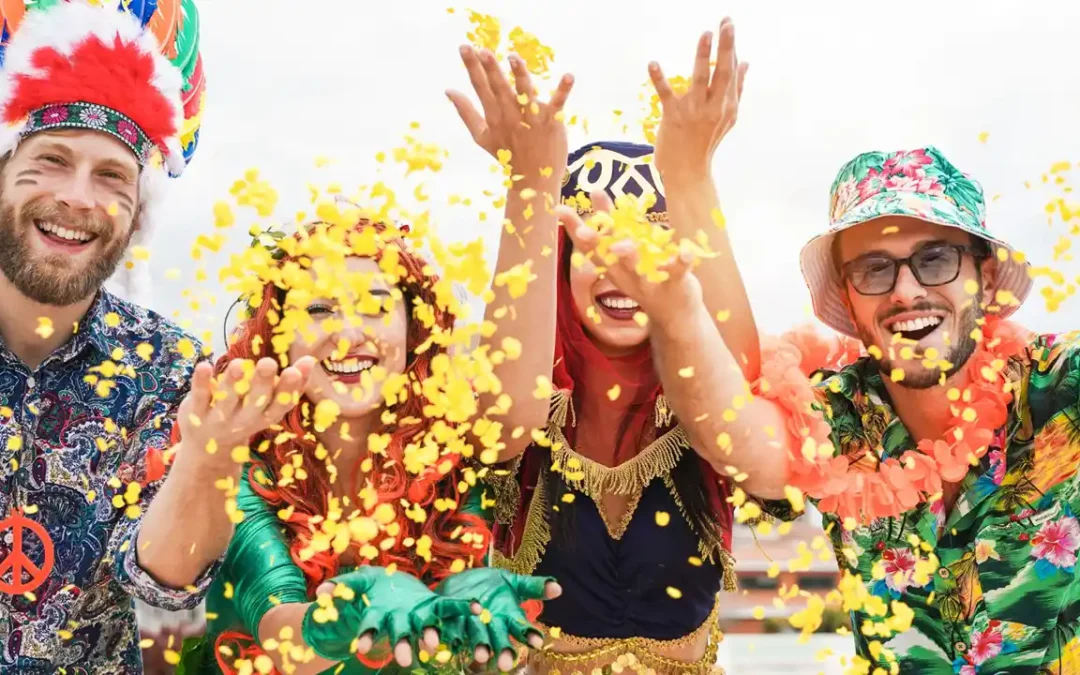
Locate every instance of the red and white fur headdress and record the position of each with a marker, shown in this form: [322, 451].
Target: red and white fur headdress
[90, 66]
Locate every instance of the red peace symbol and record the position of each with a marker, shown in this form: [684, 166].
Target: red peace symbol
[17, 563]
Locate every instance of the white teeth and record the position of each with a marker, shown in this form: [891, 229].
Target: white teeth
[348, 366]
[614, 302]
[915, 324]
[64, 233]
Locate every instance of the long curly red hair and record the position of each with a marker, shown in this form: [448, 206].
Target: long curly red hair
[308, 499]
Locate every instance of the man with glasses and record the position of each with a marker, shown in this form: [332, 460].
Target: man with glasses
[944, 460]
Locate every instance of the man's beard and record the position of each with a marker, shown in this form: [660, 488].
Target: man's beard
[959, 352]
[52, 279]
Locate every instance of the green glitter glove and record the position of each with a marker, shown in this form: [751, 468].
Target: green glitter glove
[501, 594]
[394, 607]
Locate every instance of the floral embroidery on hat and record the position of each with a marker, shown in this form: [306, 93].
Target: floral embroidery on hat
[94, 117]
[82, 115]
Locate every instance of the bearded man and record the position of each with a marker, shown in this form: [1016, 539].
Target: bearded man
[90, 385]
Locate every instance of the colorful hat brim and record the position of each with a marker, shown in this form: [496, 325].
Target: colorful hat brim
[826, 288]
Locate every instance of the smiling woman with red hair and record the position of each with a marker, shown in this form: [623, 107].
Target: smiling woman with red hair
[357, 486]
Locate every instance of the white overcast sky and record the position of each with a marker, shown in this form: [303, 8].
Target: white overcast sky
[289, 81]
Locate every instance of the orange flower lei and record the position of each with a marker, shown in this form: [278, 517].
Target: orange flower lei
[857, 493]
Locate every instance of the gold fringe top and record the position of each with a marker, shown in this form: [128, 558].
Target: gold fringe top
[595, 480]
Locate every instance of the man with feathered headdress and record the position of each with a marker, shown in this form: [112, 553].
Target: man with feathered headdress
[98, 102]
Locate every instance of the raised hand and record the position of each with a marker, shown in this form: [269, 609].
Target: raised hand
[222, 413]
[657, 299]
[500, 594]
[359, 609]
[694, 123]
[513, 117]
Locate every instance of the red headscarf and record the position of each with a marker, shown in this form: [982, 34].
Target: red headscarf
[634, 373]
[640, 385]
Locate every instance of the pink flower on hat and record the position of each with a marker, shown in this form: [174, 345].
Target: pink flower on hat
[128, 131]
[872, 184]
[914, 181]
[54, 114]
[907, 162]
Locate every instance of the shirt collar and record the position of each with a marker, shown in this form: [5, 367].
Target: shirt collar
[92, 331]
[100, 328]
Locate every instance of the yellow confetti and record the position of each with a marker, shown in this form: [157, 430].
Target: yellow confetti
[326, 413]
[663, 518]
[44, 328]
[613, 393]
[185, 348]
[223, 215]
[544, 388]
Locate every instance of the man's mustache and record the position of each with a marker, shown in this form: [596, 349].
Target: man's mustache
[45, 209]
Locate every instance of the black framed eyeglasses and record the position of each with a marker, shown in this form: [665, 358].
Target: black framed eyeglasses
[935, 264]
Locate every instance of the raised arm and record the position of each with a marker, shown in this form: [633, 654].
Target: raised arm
[186, 527]
[735, 432]
[529, 138]
[692, 126]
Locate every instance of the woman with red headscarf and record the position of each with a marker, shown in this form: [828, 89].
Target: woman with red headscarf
[357, 546]
[611, 500]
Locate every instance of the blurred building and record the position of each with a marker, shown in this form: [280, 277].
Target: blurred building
[754, 554]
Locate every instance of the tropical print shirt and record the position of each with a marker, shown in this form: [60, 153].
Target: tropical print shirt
[80, 456]
[1003, 595]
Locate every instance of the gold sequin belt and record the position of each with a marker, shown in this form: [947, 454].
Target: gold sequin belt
[642, 656]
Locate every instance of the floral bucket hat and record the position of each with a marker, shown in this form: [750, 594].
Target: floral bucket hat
[920, 184]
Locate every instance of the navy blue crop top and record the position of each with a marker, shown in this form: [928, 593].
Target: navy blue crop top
[619, 588]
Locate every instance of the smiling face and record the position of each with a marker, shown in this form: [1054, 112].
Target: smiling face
[922, 317]
[606, 312]
[68, 202]
[377, 339]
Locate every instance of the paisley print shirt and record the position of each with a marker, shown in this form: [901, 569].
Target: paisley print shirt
[993, 585]
[80, 455]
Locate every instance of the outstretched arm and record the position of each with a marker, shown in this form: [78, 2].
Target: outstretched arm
[186, 526]
[530, 140]
[692, 126]
[269, 594]
[736, 433]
